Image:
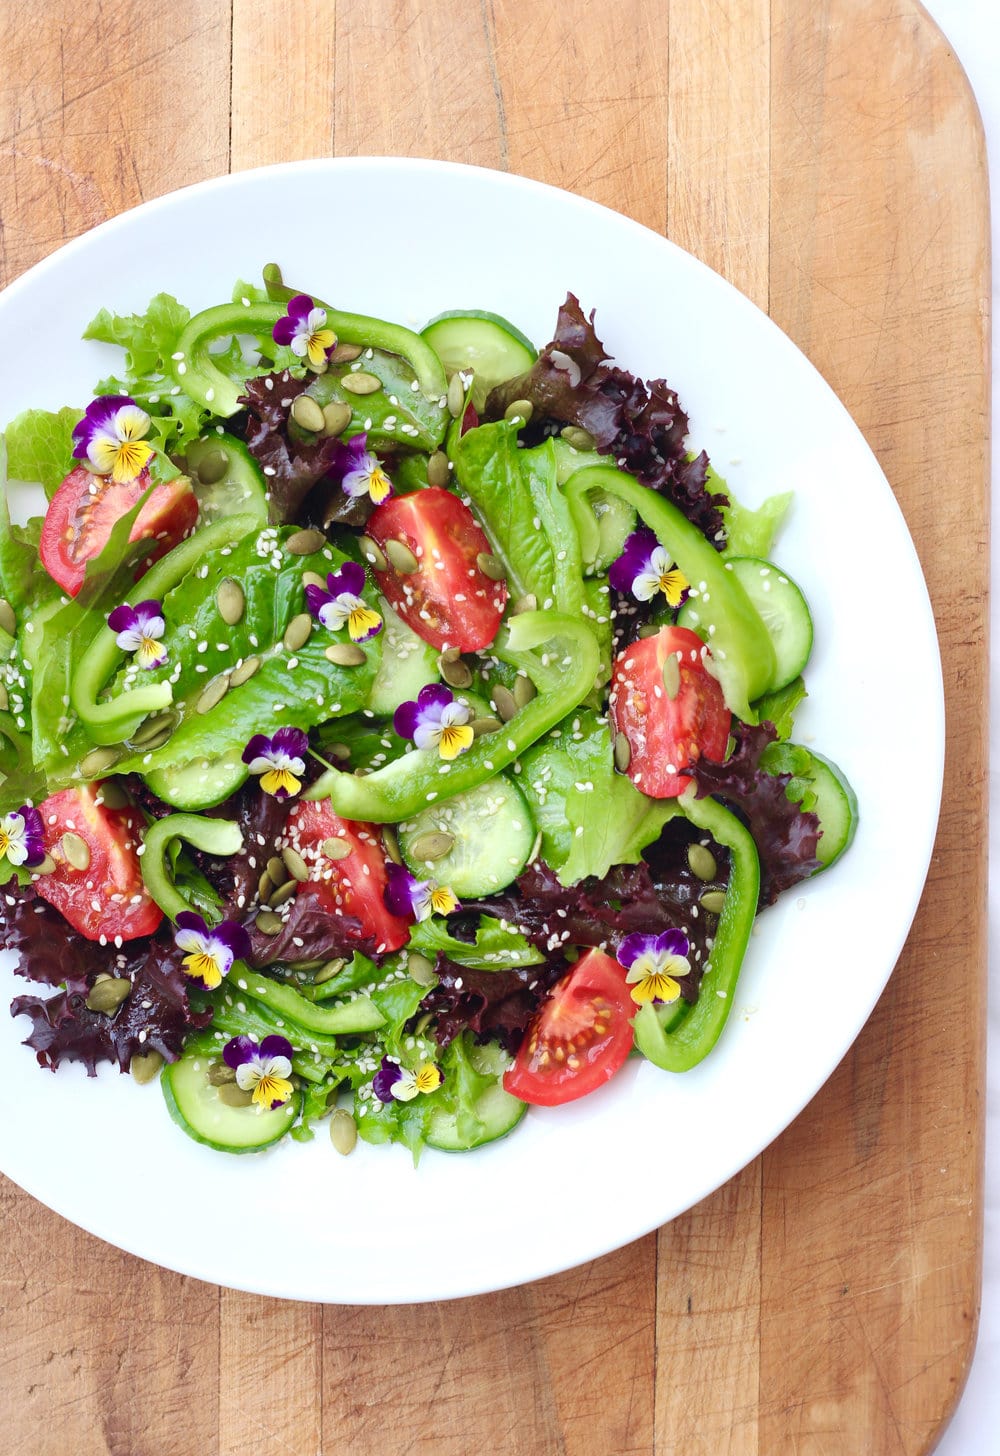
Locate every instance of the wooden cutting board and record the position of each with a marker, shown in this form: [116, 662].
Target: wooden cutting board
[828, 159]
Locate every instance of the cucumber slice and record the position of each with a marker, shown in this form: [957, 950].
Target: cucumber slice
[195, 1105]
[407, 664]
[493, 834]
[824, 789]
[496, 1109]
[233, 483]
[467, 338]
[781, 606]
[201, 783]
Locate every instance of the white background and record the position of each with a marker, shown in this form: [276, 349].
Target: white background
[973, 28]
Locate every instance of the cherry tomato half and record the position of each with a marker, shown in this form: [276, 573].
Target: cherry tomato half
[108, 896]
[448, 600]
[670, 709]
[355, 883]
[579, 1039]
[86, 506]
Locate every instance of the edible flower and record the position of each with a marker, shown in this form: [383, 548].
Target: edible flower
[341, 603]
[278, 760]
[209, 952]
[361, 472]
[395, 1083]
[655, 965]
[21, 837]
[262, 1068]
[435, 720]
[405, 895]
[644, 568]
[111, 438]
[303, 329]
[139, 630]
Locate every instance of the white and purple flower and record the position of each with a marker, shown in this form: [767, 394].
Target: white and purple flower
[341, 604]
[435, 720]
[21, 840]
[139, 630]
[361, 472]
[209, 952]
[303, 328]
[407, 896]
[262, 1068]
[279, 760]
[393, 1083]
[644, 568]
[656, 964]
[110, 438]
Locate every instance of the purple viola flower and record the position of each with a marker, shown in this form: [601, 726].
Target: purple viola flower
[655, 965]
[644, 568]
[279, 760]
[361, 472]
[407, 896]
[303, 328]
[111, 437]
[341, 603]
[435, 720]
[139, 630]
[393, 1083]
[209, 951]
[21, 841]
[263, 1068]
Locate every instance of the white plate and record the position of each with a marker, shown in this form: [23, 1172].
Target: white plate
[405, 240]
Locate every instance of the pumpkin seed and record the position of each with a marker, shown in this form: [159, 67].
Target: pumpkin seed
[649, 630]
[623, 752]
[713, 901]
[504, 702]
[98, 760]
[401, 557]
[421, 969]
[234, 1096]
[212, 467]
[360, 382]
[294, 864]
[268, 923]
[340, 751]
[219, 1073]
[482, 726]
[327, 971]
[519, 409]
[152, 728]
[345, 354]
[4, 698]
[283, 892]
[456, 396]
[390, 840]
[308, 413]
[264, 887]
[298, 632]
[145, 1066]
[671, 676]
[701, 861]
[108, 995]
[305, 543]
[524, 691]
[276, 869]
[373, 553]
[490, 566]
[438, 468]
[435, 844]
[345, 654]
[579, 439]
[313, 578]
[244, 672]
[527, 603]
[150, 745]
[45, 866]
[8, 620]
[336, 848]
[231, 601]
[113, 795]
[343, 1131]
[213, 694]
[456, 674]
[76, 850]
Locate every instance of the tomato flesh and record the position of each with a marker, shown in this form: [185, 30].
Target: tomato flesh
[353, 885]
[108, 898]
[665, 733]
[579, 1039]
[84, 509]
[448, 601]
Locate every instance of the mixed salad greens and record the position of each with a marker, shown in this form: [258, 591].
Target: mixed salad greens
[395, 728]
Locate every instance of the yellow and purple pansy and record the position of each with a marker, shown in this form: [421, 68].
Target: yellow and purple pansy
[644, 568]
[262, 1068]
[303, 328]
[435, 720]
[361, 472]
[656, 964]
[111, 438]
[278, 760]
[138, 629]
[393, 1083]
[21, 837]
[209, 951]
[341, 603]
[405, 895]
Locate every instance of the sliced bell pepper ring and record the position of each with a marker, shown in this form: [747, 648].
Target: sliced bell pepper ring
[214, 836]
[741, 649]
[679, 1043]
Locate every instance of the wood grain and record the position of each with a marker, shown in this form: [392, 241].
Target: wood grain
[827, 159]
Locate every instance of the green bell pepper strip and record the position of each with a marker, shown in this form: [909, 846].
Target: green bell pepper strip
[118, 718]
[200, 378]
[681, 1044]
[214, 836]
[349, 1019]
[741, 647]
[407, 784]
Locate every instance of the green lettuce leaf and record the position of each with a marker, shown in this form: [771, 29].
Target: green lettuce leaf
[40, 447]
[496, 947]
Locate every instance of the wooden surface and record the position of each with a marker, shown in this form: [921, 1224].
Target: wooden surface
[827, 158]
